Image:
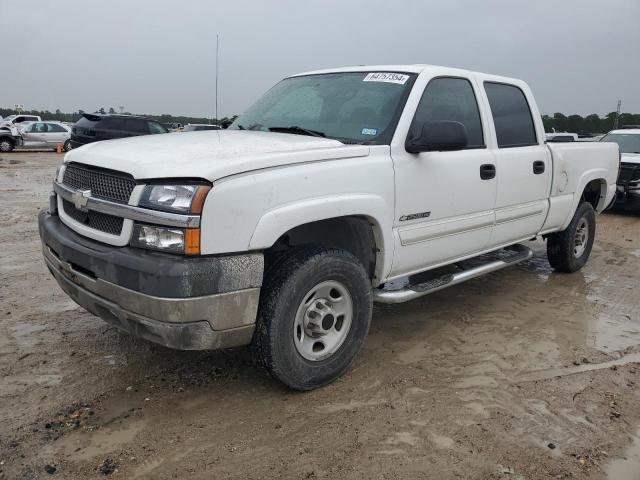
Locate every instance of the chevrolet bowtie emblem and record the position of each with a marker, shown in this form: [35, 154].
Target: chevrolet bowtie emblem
[80, 199]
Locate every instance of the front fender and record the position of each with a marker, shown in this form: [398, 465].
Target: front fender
[276, 222]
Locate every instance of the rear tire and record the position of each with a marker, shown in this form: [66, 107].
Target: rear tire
[6, 145]
[314, 314]
[569, 250]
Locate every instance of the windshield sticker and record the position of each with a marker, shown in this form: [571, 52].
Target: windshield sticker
[369, 131]
[387, 77]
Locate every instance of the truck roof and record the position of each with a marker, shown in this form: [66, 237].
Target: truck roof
[416, 68]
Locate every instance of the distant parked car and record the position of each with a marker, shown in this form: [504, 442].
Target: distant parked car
[12, 120]
[194, 127]
[93, 128]
[628, 139]
[561, 137]
[45, 134]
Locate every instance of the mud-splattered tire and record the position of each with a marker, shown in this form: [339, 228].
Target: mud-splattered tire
[6, 145]
[307, 283]
[569, 250]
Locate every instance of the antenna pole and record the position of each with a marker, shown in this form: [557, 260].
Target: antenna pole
[615, 122]
[217, 43]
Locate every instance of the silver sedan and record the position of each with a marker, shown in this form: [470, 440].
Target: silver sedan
[45, 134]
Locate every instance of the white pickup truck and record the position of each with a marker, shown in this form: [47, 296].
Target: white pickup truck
[336, 189]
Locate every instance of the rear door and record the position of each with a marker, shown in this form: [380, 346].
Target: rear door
[56, 134]
[523, 163]
[444, 203]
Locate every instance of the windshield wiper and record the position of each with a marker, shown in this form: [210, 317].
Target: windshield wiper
[297, 130]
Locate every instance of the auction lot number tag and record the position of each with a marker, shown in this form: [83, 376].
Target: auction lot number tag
[387, 77]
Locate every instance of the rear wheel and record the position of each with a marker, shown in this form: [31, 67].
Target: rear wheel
[315, 311]
[569, 250]
[6, 144]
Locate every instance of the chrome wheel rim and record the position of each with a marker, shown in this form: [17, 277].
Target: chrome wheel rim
[5, 146]
[581, 238]
[323, 320]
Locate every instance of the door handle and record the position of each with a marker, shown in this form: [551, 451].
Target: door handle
[538, 167]
[487, 171]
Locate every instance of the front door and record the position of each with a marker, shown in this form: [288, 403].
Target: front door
[34, 135]
[444, 200]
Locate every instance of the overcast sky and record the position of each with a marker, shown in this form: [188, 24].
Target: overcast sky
[158, 56]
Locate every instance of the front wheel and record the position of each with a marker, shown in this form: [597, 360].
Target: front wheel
[315, 312]
[67, 146]
[6, 145]
[569, 250]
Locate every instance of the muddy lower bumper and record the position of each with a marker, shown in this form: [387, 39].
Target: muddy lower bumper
[203, 303]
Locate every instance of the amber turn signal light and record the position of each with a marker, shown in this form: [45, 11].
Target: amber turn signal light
[198, 199]
[192, 241]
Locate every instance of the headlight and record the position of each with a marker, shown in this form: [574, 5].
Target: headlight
[174, 198]
[166, 239]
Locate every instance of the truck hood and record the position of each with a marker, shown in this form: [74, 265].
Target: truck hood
[211, 154]
[630, 158]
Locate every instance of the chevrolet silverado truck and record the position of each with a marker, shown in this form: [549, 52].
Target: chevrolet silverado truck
[337, 189]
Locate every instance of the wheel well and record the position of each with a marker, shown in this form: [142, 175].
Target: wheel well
[354, 234]
[594, 193]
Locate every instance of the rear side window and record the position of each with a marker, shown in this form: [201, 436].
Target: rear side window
[511, 115]
[55, 128]
[451, 99]
[111, 124]
[135, 125]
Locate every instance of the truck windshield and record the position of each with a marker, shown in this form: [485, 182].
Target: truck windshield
[628, 143]
[354, 107]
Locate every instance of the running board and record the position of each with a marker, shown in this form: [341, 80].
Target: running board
[411, 292]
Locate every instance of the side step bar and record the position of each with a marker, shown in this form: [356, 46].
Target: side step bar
[411, 292]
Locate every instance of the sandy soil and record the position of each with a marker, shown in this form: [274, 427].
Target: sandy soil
[524, 374]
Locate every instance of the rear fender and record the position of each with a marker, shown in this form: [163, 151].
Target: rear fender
[606, 194]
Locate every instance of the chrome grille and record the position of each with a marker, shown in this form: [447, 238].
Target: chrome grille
[96, 220]
[105, 184]
[629, 172]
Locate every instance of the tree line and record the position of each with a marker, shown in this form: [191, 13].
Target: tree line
[590, 124]
[75, 116]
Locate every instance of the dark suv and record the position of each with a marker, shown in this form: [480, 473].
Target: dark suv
[93, 128]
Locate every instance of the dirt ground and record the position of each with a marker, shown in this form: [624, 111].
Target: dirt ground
[523, 374]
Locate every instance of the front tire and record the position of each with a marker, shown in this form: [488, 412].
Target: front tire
[569, 250]
[67, 146]
[314, 314]
[6, 145]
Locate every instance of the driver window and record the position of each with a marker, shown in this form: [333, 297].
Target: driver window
[451, 99]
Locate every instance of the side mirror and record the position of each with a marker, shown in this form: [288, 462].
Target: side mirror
[441, 135]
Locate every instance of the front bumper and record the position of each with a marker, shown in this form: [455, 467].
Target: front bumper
[204, 303]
